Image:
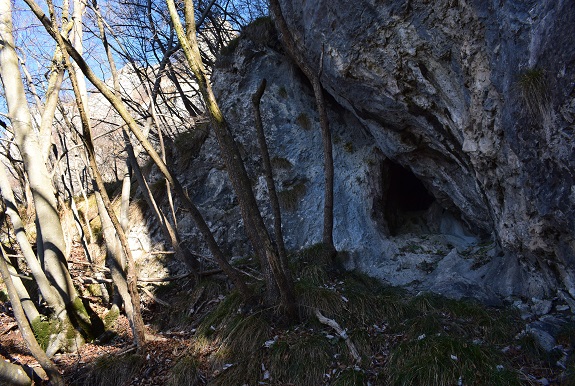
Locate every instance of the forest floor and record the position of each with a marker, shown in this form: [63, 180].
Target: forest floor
[202, 334]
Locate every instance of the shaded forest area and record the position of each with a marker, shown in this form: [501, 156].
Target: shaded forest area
[89, 123]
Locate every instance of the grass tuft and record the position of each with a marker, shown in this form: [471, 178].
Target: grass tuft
[301, 361]
[446, 360]
[350, 377]
[303, 121]
[113, 370]
[186, 372]
[290, 197]
[534, 91]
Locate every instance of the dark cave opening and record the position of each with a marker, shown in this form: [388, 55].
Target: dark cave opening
[405, 199]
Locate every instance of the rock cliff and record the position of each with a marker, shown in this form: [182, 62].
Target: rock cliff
[476, 98]
[453, 140]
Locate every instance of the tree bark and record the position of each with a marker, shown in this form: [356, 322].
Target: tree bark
[274, 202]
[27, 304]
[314, 78]
[24, 326]
[118, 105]
[251, 215]
[52, 297]
[14, 375]
[136, 321]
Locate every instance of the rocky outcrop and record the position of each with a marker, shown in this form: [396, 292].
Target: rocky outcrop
[476, 98]
[453, 142]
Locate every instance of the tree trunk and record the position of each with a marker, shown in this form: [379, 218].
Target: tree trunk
[314, 78]
[118, 105]
[23, 324]
[15, 375]
[49, 229]
[27, 304]
[52, 297]
[253, 221]
[274, 202]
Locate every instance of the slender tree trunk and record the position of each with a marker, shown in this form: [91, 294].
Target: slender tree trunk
[114, 259]
[253, 221]
[274, 202]
[118, 105]
[314, 78]
[136, 322]
[24, 326]
[52, 297]
[170, 234]
[27, 304]
[49, 228]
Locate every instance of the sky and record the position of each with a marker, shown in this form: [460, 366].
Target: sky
[35, 47]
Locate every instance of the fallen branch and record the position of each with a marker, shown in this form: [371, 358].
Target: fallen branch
[91, 280]
[341, 332]
[154, 298]
[162, 279]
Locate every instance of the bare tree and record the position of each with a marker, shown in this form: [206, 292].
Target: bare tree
[119, 106]
[253, 220]
[131, 299]
[50, 236]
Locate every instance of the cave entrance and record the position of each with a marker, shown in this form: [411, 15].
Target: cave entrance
[406, 200]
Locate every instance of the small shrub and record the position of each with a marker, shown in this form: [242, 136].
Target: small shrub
[534, 91]
[281, 163]
[283, 92]
[262, 32]
[231, 47]
[189, 143]
[289, 198]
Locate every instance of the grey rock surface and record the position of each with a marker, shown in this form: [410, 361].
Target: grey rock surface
[441, 87]
[453, 174]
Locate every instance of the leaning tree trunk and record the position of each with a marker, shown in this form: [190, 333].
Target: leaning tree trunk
[50, 235]
[253, 220]
[119, 106]
[27, 304]
[24, 326]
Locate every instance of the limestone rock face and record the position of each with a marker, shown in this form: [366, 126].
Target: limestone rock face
[452, 125]
[476, 98]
